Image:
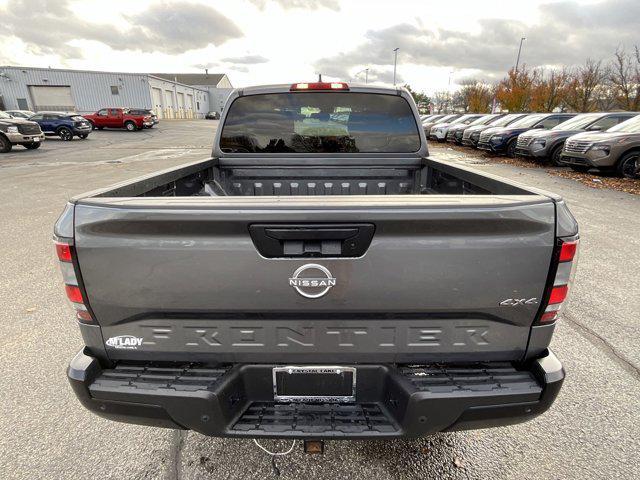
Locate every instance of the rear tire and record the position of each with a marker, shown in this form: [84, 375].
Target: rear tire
[83, 136]
[511, 148]
[629, 165]
[130, 126]
[65, 134]
[556, 155]
[32, 145]
[99, 128]
[5, 145]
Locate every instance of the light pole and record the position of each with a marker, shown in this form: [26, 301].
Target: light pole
[449, 102]
[395, 63]
[519, 50]
[366, 75]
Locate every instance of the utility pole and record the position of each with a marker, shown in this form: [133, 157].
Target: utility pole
[519, 50]
[395, 63]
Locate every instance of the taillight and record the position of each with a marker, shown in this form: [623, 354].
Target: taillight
[65, 253]
[566, 255]
[319, 86]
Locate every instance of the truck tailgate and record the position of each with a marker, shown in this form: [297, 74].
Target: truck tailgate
[185, 277]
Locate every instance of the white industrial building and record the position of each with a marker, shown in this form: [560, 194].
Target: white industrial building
[85, 91]
[216, 84]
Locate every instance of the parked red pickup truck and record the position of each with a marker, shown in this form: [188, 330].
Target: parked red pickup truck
[118, 118]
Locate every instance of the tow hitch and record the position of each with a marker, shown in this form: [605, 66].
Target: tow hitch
[314, 447]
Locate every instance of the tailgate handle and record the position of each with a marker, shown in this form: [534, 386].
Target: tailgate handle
[317, 240]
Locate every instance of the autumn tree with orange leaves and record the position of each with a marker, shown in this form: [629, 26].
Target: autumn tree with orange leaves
[548, 90]
[474, 96]
[515, 91]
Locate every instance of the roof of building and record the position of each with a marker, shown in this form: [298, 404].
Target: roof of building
[192, 78]
[186, 79]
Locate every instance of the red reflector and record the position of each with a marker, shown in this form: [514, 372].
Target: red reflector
[84, 316]
[64, 252]
[558, 294]
[548, 317]
[319, 86]
[568, 251]
[73, 293]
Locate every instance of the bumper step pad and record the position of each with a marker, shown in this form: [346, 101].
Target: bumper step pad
[185, 378]
[315, 418]
[496, 378]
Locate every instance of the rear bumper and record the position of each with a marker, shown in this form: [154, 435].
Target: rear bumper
[237, 401]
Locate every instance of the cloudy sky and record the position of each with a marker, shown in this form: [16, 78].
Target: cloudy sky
[282, 41]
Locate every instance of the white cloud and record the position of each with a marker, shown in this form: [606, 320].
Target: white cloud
[286, 41]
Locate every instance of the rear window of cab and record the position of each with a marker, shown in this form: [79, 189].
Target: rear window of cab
[320, 122]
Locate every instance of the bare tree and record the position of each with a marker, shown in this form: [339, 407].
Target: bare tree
[606, 98]
[624, 78]
[442, 101]
[583, 86]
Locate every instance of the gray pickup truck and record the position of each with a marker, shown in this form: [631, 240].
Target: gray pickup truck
[318, 277]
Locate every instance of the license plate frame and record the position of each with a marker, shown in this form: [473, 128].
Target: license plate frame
[340, 379]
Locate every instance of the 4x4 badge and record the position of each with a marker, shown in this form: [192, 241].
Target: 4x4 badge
[514, 302]
[312, 280]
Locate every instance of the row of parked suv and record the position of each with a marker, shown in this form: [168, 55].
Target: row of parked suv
[26, 128]
[604, 141]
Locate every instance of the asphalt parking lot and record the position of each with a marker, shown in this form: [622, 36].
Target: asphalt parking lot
[592, 430]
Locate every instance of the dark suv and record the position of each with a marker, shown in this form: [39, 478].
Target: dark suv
[504, 140]
[65, 125]
[456, 132]
[547, 144]
[471, 135]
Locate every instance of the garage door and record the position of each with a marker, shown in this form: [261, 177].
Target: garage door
[157, 101]
[168, 104]
[180, 105]
[52, 98]
[190, 106]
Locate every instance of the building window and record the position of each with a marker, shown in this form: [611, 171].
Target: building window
[115, 90]
[198, 105]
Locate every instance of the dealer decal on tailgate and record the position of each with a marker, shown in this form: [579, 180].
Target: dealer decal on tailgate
[128, 342]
